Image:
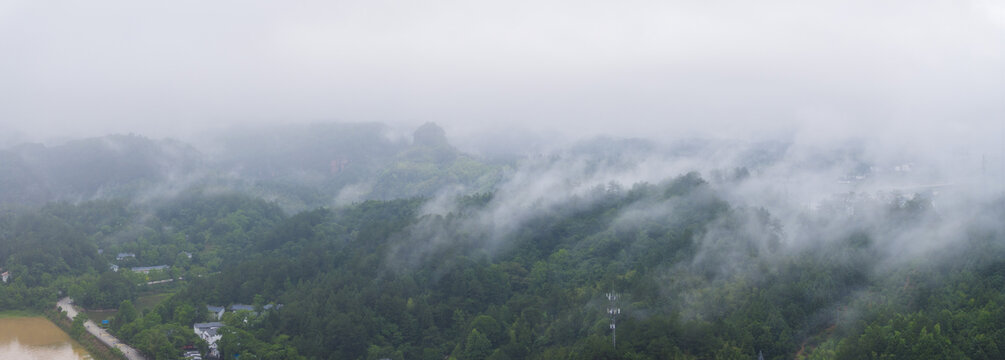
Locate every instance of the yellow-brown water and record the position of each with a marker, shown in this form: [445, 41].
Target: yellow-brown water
[37, 338]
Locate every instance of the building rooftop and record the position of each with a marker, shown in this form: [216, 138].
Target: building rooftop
[236, 307]
[149, 268]
[209, 325]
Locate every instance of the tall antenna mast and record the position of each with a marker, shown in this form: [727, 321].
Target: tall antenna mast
[613, 311]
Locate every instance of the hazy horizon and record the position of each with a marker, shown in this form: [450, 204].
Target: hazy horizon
[789, 179]
[925, 75]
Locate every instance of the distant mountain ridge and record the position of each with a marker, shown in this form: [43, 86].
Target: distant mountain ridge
[89, 168]
[299, 166]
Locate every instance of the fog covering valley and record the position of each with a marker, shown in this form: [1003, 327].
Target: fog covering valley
[413, 248]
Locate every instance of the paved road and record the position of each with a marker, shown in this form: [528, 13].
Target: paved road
[104, 336]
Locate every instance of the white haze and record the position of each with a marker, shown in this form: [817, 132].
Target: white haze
[913, 89]
[814, 204]
[817, 195]
[915, 75]
[919, 83]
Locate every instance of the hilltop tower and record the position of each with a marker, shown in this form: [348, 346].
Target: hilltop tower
[613, 311]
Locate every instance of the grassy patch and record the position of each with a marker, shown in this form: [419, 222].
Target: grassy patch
[148, 301]
[143, 302]
[97, 316]
[18, 313]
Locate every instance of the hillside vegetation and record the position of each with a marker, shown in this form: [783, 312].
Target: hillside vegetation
[523, 269]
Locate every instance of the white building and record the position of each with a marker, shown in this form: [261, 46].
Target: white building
[210, 332]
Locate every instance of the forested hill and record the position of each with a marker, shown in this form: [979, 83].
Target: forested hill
[423, 252]
[699, 276]
[298, 166]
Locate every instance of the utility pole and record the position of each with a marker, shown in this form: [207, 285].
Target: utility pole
[613, 311]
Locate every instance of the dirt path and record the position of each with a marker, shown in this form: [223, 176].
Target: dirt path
[132, 354]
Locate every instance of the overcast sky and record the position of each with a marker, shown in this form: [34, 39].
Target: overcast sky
[819, 69]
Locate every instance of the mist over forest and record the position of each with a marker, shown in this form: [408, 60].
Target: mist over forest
[413, 248]
[539, 179]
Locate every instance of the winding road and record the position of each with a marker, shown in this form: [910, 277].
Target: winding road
[132, 354]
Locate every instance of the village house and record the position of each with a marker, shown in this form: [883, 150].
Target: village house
[216, 311]
[239, 307]
[123, 256]
[148, 269]
[251, 308]
[210, 332]
[192, 355]
[5, 275]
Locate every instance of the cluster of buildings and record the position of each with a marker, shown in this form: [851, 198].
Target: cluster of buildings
[210, 331]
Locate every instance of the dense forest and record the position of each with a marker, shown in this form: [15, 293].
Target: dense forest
[511, 268]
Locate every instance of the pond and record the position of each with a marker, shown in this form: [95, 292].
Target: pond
[37, 338]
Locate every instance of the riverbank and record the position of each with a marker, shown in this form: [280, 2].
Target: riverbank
[101, 335]
[98, 349]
